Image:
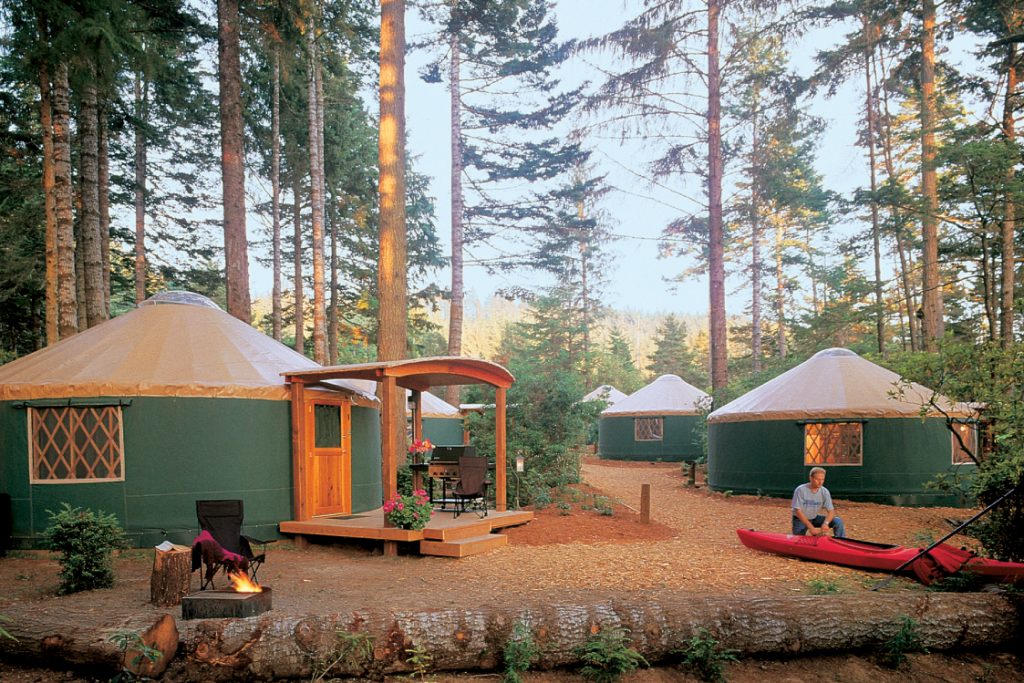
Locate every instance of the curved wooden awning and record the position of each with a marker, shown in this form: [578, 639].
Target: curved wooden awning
[418, 374]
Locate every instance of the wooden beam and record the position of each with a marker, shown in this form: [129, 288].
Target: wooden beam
[298, 389]
[389, 436]
[499, 449]
[417, 414]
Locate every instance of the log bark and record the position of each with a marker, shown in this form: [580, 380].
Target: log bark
[278, 645]
[172, 574]
[67, 297]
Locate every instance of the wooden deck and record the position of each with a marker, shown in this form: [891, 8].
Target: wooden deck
[445, 534]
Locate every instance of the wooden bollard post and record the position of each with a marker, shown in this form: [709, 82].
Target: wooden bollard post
[645, 503]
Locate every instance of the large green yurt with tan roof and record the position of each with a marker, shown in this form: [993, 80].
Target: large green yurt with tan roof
[852, 417]
[174, 402]
[661, 421]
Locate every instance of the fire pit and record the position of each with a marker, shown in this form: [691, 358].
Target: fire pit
[244, 599]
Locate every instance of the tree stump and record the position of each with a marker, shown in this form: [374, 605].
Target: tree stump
[172, 575]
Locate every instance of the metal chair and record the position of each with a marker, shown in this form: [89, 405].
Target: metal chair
[471, 490]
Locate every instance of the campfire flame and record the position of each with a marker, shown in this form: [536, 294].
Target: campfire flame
[240, 583]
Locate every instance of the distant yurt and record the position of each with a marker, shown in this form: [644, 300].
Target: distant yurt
[606, 393]
[442, 422]
[659, 422]
[173, 402]
[846, 414]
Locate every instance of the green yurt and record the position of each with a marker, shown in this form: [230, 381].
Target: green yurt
[442, 422]
[173, 402]
[846, 414]
[659, 422]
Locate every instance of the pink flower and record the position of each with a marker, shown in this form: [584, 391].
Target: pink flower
[401, 506]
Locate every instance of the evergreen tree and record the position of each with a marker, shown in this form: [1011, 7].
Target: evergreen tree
[673, 355]
[615, 365]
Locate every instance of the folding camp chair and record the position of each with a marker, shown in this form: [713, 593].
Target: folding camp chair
[471, 490]
[230, 550]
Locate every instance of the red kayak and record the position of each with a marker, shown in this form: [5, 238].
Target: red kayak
[940, 561]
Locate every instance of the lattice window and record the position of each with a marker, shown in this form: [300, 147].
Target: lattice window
[81, 443]
[968, 433]
[833, 443]
[648, 429]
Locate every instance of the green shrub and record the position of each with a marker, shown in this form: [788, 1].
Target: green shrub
[607, 655]
[86, 541]
[823, 586]
[520, 652]
[705, 657]
[906, 639]
[127, 641]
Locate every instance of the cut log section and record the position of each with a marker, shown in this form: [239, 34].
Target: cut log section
[172, 575]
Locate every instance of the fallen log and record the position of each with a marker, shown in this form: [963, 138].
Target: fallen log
[271, 647]
[278, 644]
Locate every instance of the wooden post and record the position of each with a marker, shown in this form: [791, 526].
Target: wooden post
[645, 503]
[390, 548]
[389, 442]
[691, 477]
[172, 574]
[298, 449]
[499, 449]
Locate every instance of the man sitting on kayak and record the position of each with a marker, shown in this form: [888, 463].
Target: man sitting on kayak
[813, 510]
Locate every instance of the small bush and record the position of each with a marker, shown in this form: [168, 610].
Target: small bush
[127, 641]
[706, 658]
[86, 541]
[351, 649]
[607, 655]
[907, 639]
[421, 660]
[520, 652]
[823, 586]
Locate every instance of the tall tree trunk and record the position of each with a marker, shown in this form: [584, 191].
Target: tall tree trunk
[332, 310]
[716, 237]
[275, 191]
[316, 201]
[232, 161]
[46, 123]
[392, 343]
[67, 295]
[988, 270]
[909, 301]
[1009, 226]
[300, 313]
[456, 312]
[88, 160]
[141, 119]
[585, 296]
[755, 251]
[103, 175]
[780, 288]
[876, 239]
[934, 326]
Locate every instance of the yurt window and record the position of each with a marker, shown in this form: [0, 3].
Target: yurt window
[966, 445]
[76, 444]
[648, 429]
[833, 443]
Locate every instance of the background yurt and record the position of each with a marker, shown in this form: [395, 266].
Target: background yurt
[661, 421]
[443, 424]
[173, 402]
[852, 417]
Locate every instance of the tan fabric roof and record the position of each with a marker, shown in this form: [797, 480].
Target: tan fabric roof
[606, 393]
[435, 407]
[667, 395]
[163, 349]
[834, 383]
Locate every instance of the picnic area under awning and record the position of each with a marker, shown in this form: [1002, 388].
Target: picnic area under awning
[417, 375]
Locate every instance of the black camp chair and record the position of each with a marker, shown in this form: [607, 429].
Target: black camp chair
[471, 490]
[222, 519]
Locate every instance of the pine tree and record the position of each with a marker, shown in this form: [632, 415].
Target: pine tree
[673, 355]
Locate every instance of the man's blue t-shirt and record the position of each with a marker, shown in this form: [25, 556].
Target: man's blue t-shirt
[812, 503]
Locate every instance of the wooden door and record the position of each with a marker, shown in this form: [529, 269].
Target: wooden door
[329, 457]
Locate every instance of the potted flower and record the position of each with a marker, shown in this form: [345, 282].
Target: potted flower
[409, 512]
[420, 450]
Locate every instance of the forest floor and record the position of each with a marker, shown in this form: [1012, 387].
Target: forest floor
[588, 544]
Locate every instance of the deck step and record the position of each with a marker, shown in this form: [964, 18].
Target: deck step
[466, 529]
[463, 546]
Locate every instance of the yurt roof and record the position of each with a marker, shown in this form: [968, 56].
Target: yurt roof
[834, 384]
[434, 407]
[174, 344]
[606, 393]
[667, 395]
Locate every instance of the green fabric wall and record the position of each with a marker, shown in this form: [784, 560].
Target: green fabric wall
[900, 457]
[367, 491]
[615, 440]
[443, 431]
[179, 450]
